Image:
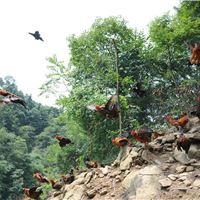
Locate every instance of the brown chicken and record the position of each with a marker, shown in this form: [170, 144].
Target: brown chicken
[40, 178]
[110, 110]
[90, 163]
[69, 178]
[144, 135]
[195, 57]
[11, 98]
[32, 192]
[120, 142]
[57, 185]
[180, 123]
[63, 141]
[183, 143]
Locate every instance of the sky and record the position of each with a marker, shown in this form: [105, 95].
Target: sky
[25, 59]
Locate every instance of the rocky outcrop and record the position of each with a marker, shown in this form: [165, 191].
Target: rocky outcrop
[161, 173]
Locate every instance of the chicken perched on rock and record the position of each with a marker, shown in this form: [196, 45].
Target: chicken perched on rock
[180, 122]
[69, 178]
[110, 110]
[120, 142]
[57, 185]
[11, 98]
[40, 178]
[63, 141]
[183, 143]
[144, 135]
[90, 163]
[33, 192]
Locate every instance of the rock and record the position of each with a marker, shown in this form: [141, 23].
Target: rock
[91, 193]
[180, 168]
[105, 170]
[170, 160]
[182, 178]
[166, 182]
[143, 184]
[115, 173]
[189, 169]
[180, 156]
[103, 191]
[195, 135]
[173, 177]
[126, 163]
[112, 194]
[156, 147]
[183, 174]
[79, 181]
[197, 164]
[101, 175]
[184, 189]
[194, 151]
[88, 177]
[187, 182]
[168, 138]
[76, 193]
[196, 183]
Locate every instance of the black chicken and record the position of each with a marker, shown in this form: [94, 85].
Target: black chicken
[37, 36]
[183, 143]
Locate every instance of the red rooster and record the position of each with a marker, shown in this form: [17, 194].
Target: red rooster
[32, 192]
[63, 141]
[11, 98]
[195, 57]
[143, 135]
[109, 110]
[57, 185]
[120, 142]
[40, 178]
[179, 123]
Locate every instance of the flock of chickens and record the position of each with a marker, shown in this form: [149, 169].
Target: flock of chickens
[111, 110]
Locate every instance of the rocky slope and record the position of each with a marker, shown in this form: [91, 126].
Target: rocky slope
[164, 173]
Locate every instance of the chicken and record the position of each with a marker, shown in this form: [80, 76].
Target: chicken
[195, 57]
[32, 193]
[120, 142]
[143, 135]
[11, 98]
[183, 143]
[40, 178]
[69, 178]
[196, 109]
[63, 141]
[109, 110]
[90, 163]
[137, 88]
[179, 123]
[37, 36]
[57, 185]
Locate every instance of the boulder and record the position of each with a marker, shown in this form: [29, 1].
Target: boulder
[76, 193]
[180, 156]
[143, 184]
